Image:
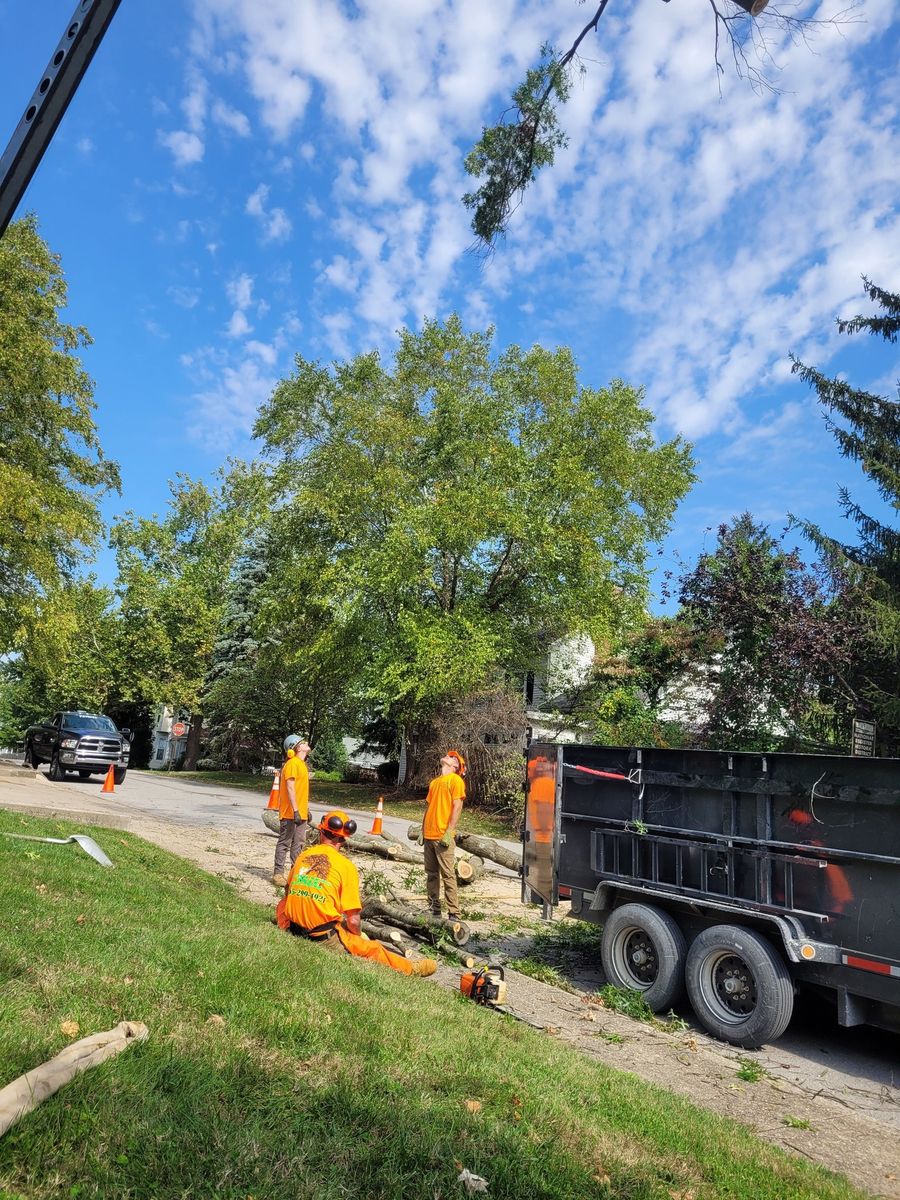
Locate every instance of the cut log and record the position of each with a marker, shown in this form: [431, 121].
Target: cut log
[368, 843]
[468, 868]
[483, 847]
[392, 938]
[271, 820]
[413, 920]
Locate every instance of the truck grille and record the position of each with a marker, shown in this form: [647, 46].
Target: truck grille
[99, 745]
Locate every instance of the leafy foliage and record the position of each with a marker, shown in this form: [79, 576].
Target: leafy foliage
[783, 632]
[446, 517]
[870, 436]
[52, 470]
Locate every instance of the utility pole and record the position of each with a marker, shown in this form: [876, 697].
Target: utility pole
[51, 97]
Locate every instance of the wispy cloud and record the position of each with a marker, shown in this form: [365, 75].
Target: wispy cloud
[274, 222]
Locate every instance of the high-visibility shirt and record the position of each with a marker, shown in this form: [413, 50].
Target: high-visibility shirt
[321, 887]
[443, 792]
[296, 769]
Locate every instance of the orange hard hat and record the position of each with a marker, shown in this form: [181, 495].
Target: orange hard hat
[459, 758]
[338, 824]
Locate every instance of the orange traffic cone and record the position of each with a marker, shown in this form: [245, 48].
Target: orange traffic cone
[379, 813]
[109, 783]
[273, 795]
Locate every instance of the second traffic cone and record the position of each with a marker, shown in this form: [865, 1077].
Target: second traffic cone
[273, 795]
[109, 783]
[379, 813]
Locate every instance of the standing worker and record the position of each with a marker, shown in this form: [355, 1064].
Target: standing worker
[445, 800]
[322, 901]
[293, 805]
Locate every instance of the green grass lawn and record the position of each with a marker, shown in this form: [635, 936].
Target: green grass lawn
[324, 1078]
[359, 796]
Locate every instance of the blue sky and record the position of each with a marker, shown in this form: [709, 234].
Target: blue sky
[236, 182]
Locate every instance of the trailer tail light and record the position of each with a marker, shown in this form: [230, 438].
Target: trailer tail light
[807, 951]
[565, 893]
[869, 964]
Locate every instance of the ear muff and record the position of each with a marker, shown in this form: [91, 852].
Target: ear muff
[336, 824]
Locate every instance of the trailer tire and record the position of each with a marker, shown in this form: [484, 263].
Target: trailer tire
[642, 948]
[739, 986]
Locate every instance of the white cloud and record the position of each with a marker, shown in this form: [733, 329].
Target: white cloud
[238, 326]
[186, 148]
[230, 119]
[85, 146]
[275, 223]
[240, 290]
[185, 297]
[224, 412]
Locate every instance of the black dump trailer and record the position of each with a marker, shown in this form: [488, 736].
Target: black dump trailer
[739, 877]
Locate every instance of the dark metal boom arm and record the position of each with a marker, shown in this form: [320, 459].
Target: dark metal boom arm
[45, 110]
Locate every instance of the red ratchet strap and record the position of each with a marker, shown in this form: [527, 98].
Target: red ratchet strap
[602, 774]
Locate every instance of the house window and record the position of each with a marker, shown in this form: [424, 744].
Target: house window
[159, 752]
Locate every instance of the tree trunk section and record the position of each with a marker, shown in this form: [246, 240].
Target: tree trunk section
[482, 847]
[413, 920]
[369, 843]
[192, 753]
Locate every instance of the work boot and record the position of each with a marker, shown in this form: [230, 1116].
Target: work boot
[424, 967]
[279, 879]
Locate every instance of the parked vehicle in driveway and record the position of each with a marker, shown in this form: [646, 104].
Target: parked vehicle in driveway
[78, 741]
[738, 877]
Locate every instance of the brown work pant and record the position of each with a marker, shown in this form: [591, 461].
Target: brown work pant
[291, 840]
[440, 868]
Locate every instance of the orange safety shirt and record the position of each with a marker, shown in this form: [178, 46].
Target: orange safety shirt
[322, 886]
[296, 769]
[443, 792]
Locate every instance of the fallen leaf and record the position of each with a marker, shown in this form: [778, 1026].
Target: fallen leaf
[126, 979]
[215, 1019]
[602, 1178]
[472, 1182]
[80, 919]
[474, 1106]
[70, 1029]
[42, 888]
[691, 1043]
[551, 1029]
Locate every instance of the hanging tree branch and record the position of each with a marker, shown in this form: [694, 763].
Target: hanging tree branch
[508, 155]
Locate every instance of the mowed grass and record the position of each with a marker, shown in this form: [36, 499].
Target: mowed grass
[320, 1076]
[359, 796]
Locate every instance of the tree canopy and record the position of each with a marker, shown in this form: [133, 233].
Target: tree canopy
[52, 470]
[866, 427]
[444, 518]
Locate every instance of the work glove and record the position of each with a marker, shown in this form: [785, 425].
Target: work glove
[420, 840]
[446, 841]
[298, 820]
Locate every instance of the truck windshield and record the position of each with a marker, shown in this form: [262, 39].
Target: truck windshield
[88, 721]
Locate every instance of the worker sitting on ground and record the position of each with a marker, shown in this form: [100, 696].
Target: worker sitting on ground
[322, 901]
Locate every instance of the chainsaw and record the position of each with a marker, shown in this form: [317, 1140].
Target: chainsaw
[485, 986]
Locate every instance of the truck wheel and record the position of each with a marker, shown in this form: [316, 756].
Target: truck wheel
[643, 948]
[57, 770]
[739, 986]
[119, 774]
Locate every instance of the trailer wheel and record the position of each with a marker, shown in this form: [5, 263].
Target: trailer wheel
[643, 948]
[739, 986]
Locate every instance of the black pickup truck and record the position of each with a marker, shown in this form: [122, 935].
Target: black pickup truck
[78, 741]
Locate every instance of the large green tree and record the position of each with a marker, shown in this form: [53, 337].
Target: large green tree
[445, 517]
[52, 470]
[780, 644]
[867, 429]
[173, 584]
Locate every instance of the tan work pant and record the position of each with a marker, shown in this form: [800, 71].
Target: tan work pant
[361, 947]
[440, 868]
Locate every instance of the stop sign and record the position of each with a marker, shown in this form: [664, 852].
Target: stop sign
[179, 729]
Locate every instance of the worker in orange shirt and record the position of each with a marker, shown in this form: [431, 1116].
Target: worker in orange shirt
[293, 805]
[445, 800]
[322, 901]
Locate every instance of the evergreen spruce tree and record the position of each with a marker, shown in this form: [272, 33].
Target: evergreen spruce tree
[870, 436]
